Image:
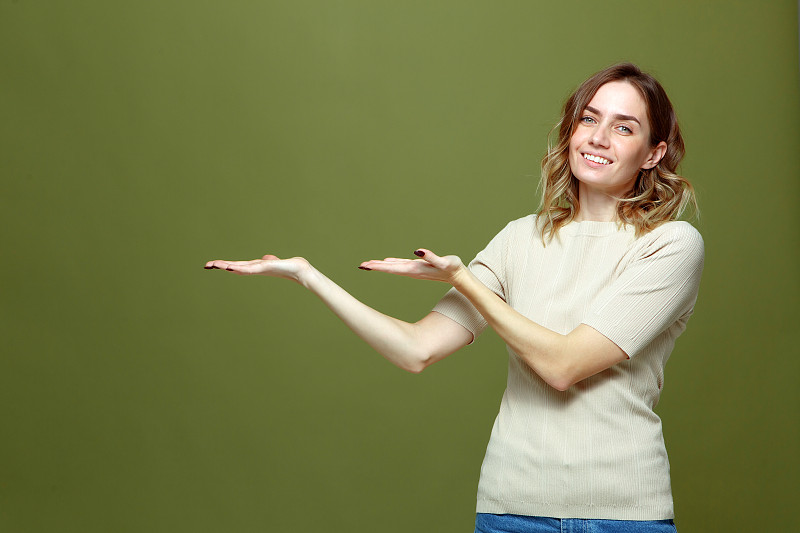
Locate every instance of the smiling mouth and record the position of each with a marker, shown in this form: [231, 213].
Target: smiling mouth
[596, 159]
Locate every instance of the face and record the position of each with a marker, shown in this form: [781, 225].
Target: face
[611, 141]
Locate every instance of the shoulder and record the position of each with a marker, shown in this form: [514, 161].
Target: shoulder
[677, 239]
[520, 228]
[677, 231]
[515, 235]
[524, 227]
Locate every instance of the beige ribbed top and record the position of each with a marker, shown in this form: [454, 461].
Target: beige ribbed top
[595, 450]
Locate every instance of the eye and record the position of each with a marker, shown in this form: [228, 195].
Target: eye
[624, 129]
[587, 120]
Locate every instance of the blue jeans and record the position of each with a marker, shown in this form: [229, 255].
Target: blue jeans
[511, 523]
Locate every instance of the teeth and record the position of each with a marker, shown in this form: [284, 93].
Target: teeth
[596, 159]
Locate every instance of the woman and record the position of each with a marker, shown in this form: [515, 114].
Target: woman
[589, 294]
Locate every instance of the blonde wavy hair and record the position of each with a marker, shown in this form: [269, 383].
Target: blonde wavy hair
[659, 194]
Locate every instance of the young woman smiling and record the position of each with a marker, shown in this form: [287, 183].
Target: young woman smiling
[589, 295]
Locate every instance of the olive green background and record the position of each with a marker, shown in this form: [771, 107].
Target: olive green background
[140, 393]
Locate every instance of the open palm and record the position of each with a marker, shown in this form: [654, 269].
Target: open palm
[431, 266]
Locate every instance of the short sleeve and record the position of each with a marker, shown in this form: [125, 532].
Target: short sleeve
[655, 292]
[489, 266]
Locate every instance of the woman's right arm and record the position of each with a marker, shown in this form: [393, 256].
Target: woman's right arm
[411, 347]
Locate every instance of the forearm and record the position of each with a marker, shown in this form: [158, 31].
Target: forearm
[409, 346]
[560, 360]
[396, 340]
[544, 350]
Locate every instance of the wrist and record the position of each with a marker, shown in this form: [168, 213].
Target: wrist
[307, 276]
[461, 277]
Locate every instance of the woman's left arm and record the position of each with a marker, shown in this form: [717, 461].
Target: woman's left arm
[560, 360]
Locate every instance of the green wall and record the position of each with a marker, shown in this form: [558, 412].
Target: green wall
[139, 392]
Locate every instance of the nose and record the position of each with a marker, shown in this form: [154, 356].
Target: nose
[600, 137]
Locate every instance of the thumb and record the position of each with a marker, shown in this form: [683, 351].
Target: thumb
[432, 258]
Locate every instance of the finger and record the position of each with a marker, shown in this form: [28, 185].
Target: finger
[429, 256]
[392, 262]
[269, 257]
[424, 253]
[367, 265]
[216, 264]
[406, 267]
[231, 266]
[243, 267]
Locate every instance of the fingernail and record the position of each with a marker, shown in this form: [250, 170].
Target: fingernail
[364, 268]
[419, 253]
[229, 269]
[208, 268]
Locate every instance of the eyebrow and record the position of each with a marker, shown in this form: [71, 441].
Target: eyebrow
[618, 117]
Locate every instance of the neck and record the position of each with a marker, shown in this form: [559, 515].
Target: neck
[596, 206]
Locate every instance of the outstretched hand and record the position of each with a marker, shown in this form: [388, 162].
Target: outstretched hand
[447, 268]
[268, 265]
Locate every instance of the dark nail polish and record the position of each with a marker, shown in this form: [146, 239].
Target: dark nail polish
[208, 268]
[229, 269]
[364, 268]
[419, 253]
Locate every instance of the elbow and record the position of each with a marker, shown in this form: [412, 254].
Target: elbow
[414, 369]
[556, 374]
[420, 358]
[415, 363]
[562, 377]
[560, 383]
[418, 364]
[565, 375]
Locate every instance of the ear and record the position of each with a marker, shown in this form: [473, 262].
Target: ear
[655, 155]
